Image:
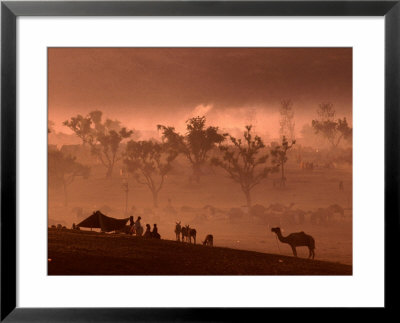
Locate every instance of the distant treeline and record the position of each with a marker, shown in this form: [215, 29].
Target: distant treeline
[246, 160]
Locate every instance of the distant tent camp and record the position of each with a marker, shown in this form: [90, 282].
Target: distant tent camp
[105, 223]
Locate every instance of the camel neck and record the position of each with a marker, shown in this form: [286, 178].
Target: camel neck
[280, 236]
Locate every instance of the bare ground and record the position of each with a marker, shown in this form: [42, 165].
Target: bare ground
[91, 253]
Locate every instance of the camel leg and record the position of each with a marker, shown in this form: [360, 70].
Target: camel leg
[194, 238]
[294, 251]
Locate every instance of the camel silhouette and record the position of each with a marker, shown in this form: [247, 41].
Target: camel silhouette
[297, 239]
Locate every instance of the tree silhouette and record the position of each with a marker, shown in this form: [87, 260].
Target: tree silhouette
[241, 160]
[149, 162]
[195, 144]
[104, 138]
[62, 170]
[287, 120]
[280, 157]
[333, 130]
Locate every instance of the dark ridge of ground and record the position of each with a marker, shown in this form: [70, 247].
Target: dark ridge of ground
[73, 252]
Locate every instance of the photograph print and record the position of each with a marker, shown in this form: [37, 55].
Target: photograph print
[200, 161]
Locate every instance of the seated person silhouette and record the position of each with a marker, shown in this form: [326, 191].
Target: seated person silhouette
[147, 234]
[155, 233]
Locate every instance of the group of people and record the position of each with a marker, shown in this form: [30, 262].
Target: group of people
[137, 229]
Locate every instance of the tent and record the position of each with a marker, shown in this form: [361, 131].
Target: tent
[105, 223]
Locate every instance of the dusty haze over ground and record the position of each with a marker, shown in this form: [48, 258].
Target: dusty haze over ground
[231, 87]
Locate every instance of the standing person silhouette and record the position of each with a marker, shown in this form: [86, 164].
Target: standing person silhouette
[138, 227]
[131, 225]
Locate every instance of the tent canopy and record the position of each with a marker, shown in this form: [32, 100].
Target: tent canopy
[105, 223]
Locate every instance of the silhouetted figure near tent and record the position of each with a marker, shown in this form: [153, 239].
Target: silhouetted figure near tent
[147, 234]
[138, 227]
[155, 233]
[132, 225]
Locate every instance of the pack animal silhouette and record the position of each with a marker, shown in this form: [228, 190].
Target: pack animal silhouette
[192, 234]
[297, 239]
[209, 240]
[189, 233]
[178, 230]
[184, 233]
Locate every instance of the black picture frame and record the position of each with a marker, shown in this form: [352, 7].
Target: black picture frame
[11, 10]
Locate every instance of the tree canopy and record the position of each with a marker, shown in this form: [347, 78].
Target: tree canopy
[332, 129]
[279, 154]
[149, 162]
[287, 120]
[244, 161]
[63, 169]
[195, 144]
[104, 138]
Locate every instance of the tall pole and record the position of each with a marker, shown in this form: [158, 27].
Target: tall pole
[125, 188]
[126, 197]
